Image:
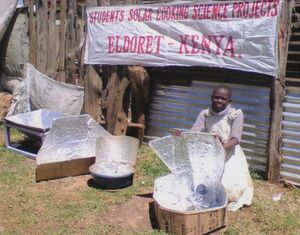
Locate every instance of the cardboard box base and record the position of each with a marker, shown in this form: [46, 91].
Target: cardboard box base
[191, 223]
[57, 170]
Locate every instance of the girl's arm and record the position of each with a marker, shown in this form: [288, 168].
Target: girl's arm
[231, 143]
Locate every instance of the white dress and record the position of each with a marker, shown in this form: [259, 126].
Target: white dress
[236, 178]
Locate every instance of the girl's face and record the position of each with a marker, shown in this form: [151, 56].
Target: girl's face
[220, 99]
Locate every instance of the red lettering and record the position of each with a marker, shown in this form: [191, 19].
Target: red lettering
[256, 9]
[133, 44]
[111, 44]
[126, 44]
[262, 12]
[141, 44]
[195, 44]
[205, 45]
[235, 7]
[149, 45]
[229, 47]
[275, 5]
[218, 43]
[158, 43]
[183, 44]
[118, 50]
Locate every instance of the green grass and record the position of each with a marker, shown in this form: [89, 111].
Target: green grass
[70, 206]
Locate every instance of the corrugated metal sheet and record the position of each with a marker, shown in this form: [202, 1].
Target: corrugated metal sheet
[175, 106]
[290, 167]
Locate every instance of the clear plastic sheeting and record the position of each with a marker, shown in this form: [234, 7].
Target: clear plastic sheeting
[191, 152]
[38, 91]
[69, 138]
[183, 197]
[113, 169]
[122, 149]
[197, 162]
[39, 120]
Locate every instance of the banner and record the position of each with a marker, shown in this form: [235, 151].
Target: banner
[230, 34]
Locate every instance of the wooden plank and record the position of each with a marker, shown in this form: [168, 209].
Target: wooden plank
[51, 56]
[32, 33]
[42, 35]
[62, 42]
[70, 43]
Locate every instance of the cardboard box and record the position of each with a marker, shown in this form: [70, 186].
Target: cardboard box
[191, 223]
[57, 170]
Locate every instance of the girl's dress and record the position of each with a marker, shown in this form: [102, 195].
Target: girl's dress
[236, 178]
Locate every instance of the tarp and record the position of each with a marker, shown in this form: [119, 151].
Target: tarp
[37, 91]
[7, 9]
[233, 34]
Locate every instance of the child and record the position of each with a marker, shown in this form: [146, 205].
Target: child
[226, 123]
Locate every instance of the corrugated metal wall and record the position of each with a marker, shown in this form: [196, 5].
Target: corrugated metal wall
[290, 166]
[177, 106]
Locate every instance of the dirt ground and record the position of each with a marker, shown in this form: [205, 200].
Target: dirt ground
[75, 205]
[137, 214]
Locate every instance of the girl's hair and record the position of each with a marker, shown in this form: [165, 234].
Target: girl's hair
[225, 88]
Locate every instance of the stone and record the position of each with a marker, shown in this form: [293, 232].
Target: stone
[5, 101]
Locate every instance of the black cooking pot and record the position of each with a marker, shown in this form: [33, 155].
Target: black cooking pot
[112, 181]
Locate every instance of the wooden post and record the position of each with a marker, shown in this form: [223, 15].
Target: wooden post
[32, 33]
[277, 97]
[92, 84]
[275, 135]
[71, 45]
[92, 92]
[139, 84]
[51, 56]
[80, 35]
[116, 83]
[42, 35]
[62, 42]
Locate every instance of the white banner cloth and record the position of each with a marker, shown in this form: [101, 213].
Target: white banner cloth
[232, 34]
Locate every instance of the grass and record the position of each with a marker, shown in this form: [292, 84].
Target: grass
[70, 206]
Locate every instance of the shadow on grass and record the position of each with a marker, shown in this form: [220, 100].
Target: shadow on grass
[151, 210]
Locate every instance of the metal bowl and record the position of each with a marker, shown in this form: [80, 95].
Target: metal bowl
[112, 175]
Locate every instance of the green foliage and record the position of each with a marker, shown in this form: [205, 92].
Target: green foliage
[254, 175]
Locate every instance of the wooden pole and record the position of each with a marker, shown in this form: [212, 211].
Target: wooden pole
[51, 56]
[277, 97]
[92, 84]
[42, 35]
[71, 38]
[275, 135]
[62, 42]
[32, 33]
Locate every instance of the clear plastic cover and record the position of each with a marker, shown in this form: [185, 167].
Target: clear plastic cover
[39, 120]
[191, 152]
[183, 197]
[122, 149]
[113, 169]
[70, 138]
[197, 161]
